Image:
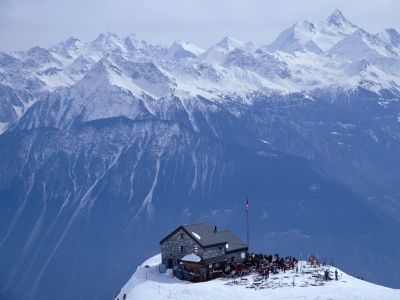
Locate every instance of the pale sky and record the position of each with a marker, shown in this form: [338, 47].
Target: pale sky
[27, 23]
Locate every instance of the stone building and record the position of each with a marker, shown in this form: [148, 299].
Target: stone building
[206, 247]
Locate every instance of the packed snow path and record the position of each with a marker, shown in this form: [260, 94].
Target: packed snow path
[148, 283]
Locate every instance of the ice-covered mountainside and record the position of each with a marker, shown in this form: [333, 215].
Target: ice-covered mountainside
[148, 283]
[306, 57]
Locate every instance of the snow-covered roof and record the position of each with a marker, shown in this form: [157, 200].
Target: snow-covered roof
[191, 258]
[196, 235]
[205, 236]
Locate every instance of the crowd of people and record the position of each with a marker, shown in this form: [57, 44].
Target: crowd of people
[263, 264]
[255, 263]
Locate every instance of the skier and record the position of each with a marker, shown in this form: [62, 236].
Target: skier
[336, 275]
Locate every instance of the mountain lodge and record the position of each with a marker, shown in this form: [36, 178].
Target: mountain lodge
[198, 252]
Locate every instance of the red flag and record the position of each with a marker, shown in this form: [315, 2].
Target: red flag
[247, 204]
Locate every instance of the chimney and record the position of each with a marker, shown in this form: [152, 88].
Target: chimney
[215, 229]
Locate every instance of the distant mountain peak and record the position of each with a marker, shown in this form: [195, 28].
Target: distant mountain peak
[392, 31]
[339, 21]
[230, 43]
[106, 41]
[72, 40]
[299, 37]
[132, 42]
[70, 43]
[390, 36]
[315, 37]
[107, 36]
[218, 53]
[336, 15]
[304, 25]
[181, 49]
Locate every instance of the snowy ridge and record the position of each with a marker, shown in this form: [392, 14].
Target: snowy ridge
[148, 283]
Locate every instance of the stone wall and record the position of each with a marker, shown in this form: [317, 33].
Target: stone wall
[170, 249]
[213, 251]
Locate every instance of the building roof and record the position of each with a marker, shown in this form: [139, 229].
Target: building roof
[205, 236]
[191, 258]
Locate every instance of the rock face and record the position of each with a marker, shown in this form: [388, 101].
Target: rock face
[107, 146]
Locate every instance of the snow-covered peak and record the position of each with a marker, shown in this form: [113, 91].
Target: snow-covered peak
[391, 36]
[304, 26]
[39, 54]
[336, 17]
[299, 37]
[132, 43]
[229, 44]
[107, 42]
[181, 49]
[139, 78]
[71, 43]
[338, 22]
[97, 76]
[38, 58]
[68, 49]
[361, 45]
[108, 37]
[314, 37]
[139, 48]
[218, 52]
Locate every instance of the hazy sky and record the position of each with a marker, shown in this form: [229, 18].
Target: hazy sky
[26, 23]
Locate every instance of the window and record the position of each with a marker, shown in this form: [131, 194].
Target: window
[242, 255]
[220, 248]
[227, 245]
[195, 249]
[181, 236]
[180, 249]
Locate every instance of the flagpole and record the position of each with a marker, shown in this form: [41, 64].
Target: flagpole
[247, 220]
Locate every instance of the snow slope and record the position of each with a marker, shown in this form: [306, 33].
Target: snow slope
[148, 283]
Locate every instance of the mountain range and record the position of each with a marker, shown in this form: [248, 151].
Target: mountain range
[107, 145]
